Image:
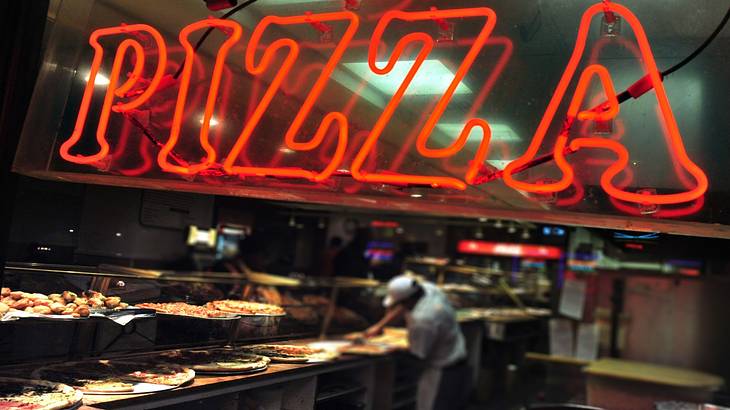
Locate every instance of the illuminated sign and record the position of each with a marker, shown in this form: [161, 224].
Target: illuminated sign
[384, 224]
[393, 75]
[333, 118]
[509, 249]
[425, 44]
[604, 112]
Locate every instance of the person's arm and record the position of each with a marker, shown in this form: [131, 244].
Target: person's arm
[391, 316]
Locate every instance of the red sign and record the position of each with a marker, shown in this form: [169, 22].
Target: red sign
[509, 249]
[125, 96]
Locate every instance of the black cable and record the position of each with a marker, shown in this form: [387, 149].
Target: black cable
[699, 49]
[205, 35]
[626, 95]
[639, 91]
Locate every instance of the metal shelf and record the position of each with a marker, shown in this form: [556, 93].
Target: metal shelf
[326, 396]
[122, 272]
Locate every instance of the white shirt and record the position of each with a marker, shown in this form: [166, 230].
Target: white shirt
[433, 332]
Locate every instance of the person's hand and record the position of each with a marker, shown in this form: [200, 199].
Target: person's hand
[373, 331]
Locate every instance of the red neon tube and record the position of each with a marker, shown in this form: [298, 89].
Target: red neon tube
[234, 34]
[426, 45]
[112, 89]
[675, 138]
[485, 91]
[332, 117]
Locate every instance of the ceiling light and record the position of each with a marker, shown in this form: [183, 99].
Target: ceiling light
[500, 132]
[213, 121]
[525, 234]
[118, 234]
[499, 163]
[100, 79]
[498, 224]
[511, 229]
[432, 78]
[483, 220]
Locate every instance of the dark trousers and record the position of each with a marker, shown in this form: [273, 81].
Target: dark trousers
[455, 387]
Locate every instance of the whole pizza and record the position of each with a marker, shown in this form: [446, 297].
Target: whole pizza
[283, 353]
[106, 377]
[246, 308]
[218, 360]
[366, 349]
[20, 394]
[164, 374]
[184, 309]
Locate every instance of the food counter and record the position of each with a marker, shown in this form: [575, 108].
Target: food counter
[306, 384]
[108, 345]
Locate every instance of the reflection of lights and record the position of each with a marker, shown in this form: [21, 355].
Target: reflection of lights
[511, 229]
[118, 234]
[213, 121]
[285, 150]
[498, 224]
[483, 219]
[292, 222]
[432, 78]
[416, 195]
[500, 132]
[70, 231]
[399, 230]
[525, 234]
[100, 79]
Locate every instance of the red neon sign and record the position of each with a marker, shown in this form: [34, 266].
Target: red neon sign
[426, 45]
[509, 249]
[605, 113]
[336, 118]
[113, 90]
[234, 34]
[692, 177]
[384, 224]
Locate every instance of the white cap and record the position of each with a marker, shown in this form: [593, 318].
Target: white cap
[400, 288]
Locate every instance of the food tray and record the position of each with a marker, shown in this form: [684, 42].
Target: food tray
[251, 326]
[177, 330]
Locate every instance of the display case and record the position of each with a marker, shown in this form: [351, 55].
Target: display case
[290, 309]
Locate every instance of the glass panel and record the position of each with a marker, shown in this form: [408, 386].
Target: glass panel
[277, 124]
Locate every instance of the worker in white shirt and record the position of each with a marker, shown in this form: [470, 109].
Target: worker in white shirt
[434, 337]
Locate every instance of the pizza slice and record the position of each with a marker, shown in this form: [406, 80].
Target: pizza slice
[107, 386]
